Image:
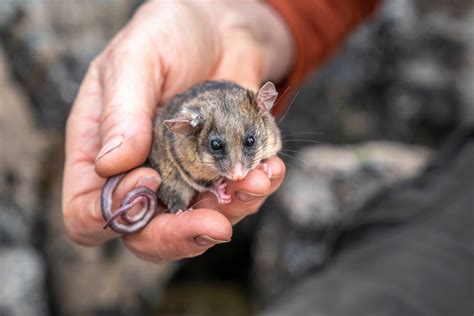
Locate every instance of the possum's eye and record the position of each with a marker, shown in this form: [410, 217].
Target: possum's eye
[216, 145]
[249, 141]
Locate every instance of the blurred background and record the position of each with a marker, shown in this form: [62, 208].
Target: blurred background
[370, 118]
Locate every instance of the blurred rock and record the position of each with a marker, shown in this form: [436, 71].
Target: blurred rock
[324, 186]
[333, 180]
[49, 45]
[22, 269]
[15, 228]
[22, 143]
[406, 75]
[22, 278]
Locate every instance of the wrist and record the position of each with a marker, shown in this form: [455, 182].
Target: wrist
[263, 28]
[276, 40]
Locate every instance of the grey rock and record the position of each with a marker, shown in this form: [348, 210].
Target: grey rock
[329, 181]
[22, 269]
[50, 44]
[22, 275]
[15, 228]
[406, 75]
[324, 186]
[23, 146]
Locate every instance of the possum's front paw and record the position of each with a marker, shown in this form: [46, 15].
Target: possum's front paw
[219, 191]
[176, 196]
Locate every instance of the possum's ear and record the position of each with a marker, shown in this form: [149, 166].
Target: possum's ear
[184, 126]
[266, 96]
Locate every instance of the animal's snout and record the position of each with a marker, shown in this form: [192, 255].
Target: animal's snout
[237, 172]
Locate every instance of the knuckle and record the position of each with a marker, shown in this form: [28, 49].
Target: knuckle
[278, 168]
[75, 220]
[110, 113]
[95, 66]
[69, 122]
[196, 252]
[147, 245]
[146, 256]
[242, 214]
[95, 63]
[77, 236]
[112, 122]
[247, 209]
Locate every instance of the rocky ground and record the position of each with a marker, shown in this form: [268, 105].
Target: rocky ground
[405, 77]
[327, 186]
[370, 118]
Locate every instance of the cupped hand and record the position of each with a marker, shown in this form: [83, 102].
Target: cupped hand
[164, 49]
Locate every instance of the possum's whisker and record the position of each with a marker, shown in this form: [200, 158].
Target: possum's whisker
[192, 206]
[198, 162]
[282, 95]
[291, 150]
[303, 133]
[261, 157]
[260, 153]
[301, 140]
[290, 156]
[289, 107]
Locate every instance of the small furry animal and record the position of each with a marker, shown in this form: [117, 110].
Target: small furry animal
[215, 132]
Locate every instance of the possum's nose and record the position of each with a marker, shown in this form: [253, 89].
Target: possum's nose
[237, 172]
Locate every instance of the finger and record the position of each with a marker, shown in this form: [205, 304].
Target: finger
[252, 203]
[131, 81]
[176, 236]
[82, 214]
[248, 194]
[278, 170]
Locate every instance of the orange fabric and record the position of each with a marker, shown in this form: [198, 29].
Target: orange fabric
[318, 28]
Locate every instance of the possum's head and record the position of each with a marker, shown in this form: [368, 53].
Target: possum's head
[227, 129]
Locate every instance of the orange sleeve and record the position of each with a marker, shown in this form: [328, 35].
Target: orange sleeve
[318, 28]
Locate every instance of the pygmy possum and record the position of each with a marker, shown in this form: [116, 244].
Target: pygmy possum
[215, 132]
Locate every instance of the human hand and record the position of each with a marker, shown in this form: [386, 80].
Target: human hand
[165, 48]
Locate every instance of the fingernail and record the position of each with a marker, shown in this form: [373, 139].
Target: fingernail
[205, 241]
[266, 169]
[111, 144]
[248, 197]
[150, 181]
[269, 173]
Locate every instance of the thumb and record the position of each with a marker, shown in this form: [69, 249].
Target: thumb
[176, 236]
[126, 122]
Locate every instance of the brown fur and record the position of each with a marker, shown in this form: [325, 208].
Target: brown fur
[185, 161]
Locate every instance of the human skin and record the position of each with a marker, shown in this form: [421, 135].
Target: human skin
[165, 48]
